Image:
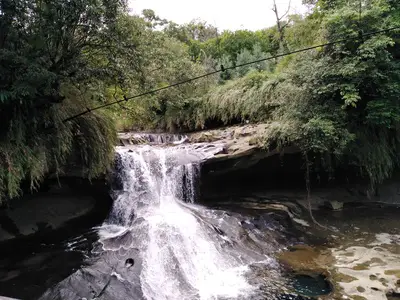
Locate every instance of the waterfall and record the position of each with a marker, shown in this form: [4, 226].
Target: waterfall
[159, 244]
[178, 250]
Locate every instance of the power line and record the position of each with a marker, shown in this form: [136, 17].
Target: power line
[222, 69]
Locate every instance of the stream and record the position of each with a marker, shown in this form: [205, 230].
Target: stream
[158, 243]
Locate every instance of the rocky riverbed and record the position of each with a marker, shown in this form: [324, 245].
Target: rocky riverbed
[339, 242]
[357, 250]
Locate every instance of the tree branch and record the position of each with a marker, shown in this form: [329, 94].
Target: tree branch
[284, 25]
[287, 11]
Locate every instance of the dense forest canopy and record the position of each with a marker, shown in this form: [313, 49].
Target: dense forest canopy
[339, 104]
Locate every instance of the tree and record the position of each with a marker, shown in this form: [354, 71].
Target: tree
[164, 60]
[339, 104]
[245, 56]
[279, 24]
[54, 57]
[152, 19]
[259, 54]
[195, 30]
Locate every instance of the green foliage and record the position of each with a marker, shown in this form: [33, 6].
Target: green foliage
[247, 98]
[55, 59]
[164, 60]
[59, 57]
[247, 56]
[341, 101]
[195, 30]
[205, 40]
[225, 62]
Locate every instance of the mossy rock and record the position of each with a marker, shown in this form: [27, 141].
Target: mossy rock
[361, 267]
[360, 289]
[206, 137]
[383, 280]
[393, 272]
[377, 260]
[254, 141]
[367, 264]
[357, 297]
[303, 259]
[340, 277]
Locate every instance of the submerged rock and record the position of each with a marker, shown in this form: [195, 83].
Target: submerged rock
[311, 285]
[374, 270]
[305, 259]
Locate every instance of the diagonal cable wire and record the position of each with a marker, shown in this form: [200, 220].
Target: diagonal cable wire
[222, 69]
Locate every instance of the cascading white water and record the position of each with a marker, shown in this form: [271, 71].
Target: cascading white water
[157, 244]
[180, 257]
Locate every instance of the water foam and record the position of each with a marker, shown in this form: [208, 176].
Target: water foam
[180, 259]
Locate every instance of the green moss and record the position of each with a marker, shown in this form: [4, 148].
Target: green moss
[393, 272]
[360, 267]
[383, 280]
[376, 260]
[360, 289]
[373, 277]
[357, 297]
[254, 141]
[340, 277]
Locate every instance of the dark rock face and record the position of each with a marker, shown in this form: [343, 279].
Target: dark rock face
[47, 236]
[256, 170]
[55, 206]
[132, 138]
[393, 295]
[104, 277]
[242, 164]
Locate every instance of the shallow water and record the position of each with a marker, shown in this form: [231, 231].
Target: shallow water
[27, 272]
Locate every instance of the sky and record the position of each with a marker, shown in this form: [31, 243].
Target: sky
[224, 14]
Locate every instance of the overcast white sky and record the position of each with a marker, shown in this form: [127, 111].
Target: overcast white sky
[225, 14]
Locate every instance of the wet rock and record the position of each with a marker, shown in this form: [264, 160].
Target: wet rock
[360, 289]
[392, 295]
[369, 267]
[357, 297]
[339, 277]
[303, 259]
[394, 272]
[205, 137]
[137, 138]
[129, 262]
[247, 224]
[65, 202]
[334, 205]
[101, 278]
[217, 230]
